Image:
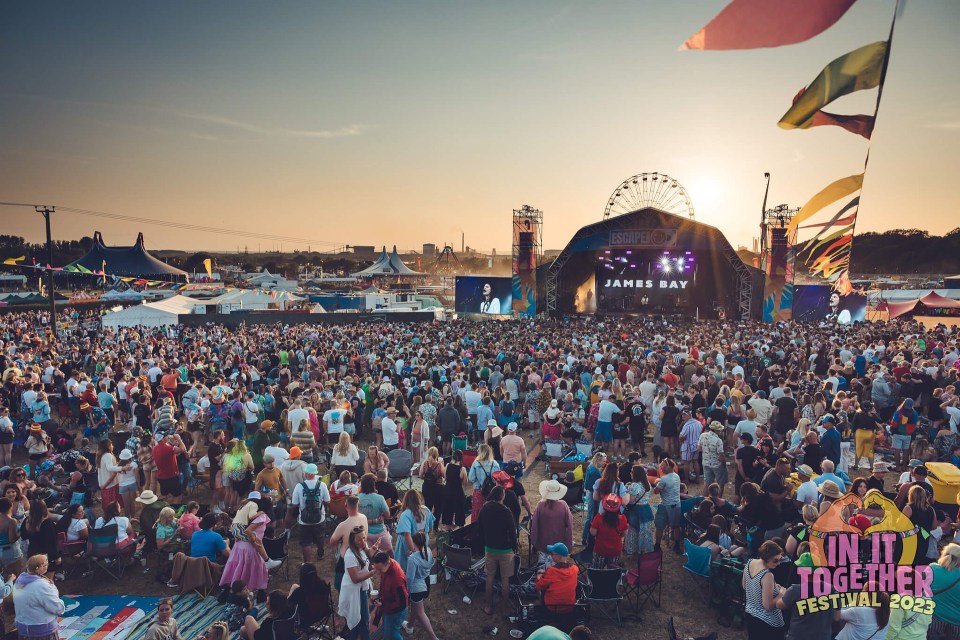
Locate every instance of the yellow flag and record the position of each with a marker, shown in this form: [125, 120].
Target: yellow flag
[830, 193]
[855, 71]
[14, 261]
[208, 265]
[103, 268]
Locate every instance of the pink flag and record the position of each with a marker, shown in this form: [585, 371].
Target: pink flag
[756, 24]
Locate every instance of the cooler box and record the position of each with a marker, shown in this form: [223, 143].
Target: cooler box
[945, 478]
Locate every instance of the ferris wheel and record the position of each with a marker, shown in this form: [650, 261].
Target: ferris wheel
[650, 190]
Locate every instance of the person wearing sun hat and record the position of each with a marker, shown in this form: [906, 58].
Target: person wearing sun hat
[608, 529]
[552, 521]
[557, 581]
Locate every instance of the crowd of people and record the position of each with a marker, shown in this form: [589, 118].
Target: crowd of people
[213, 440]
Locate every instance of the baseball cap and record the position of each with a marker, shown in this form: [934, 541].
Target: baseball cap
[512, 426]
[295, 452]
[254, 495]
[828, 418]
[914, 463]
[559, 548]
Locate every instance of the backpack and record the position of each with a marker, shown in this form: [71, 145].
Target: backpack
[488, 484]
[312, 511]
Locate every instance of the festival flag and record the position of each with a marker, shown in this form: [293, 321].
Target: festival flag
[14, 261]
[858, 70]
[208, 265]
[757, 24]
[831, 193]
[842, 221]
[83, 269]
[103, 270]
[861, 125]
[836, 220]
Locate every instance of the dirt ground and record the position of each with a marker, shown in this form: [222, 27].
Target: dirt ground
[690, 610]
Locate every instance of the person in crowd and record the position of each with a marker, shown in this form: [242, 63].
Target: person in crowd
[419, 565]
[345, 455]
[552, 521]
[354, 603]
[248, 560]
[109, 473]
[37, 601]
[557, 581]
[394, 598]
[481, 474]
[164, 627]
[374, 507]
[40, 532]
[11, 553]
[453, 503]
[591, 475]
[609, 530]
[668, 512]
[414, 517]
[432, 473]
[207, 543]
[311, 499]
[277, 609]
[113, 514]
[862, 622]
[764, 620]
[498, 531]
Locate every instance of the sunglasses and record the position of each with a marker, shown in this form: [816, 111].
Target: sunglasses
[358, 529]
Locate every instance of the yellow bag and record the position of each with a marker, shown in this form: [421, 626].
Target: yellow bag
[578, 473]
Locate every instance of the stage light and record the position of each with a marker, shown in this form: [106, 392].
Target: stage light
[666, 268]
[664, 262]
[680, 261]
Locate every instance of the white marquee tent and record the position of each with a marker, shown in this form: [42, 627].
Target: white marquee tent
[153, 314]
[253, 299]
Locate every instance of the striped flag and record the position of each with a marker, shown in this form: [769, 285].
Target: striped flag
[756, 24]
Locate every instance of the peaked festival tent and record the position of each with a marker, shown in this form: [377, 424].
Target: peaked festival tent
[386, 265]
[152, 314]
[932, 300]
[125, 261]
[253, 299]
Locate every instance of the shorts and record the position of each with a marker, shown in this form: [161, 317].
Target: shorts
[170, 486]
[382, 540]
[109, 495]
[311, 534]
[350, 428]
[620, 433]
[667, 516]
[333, 438]
[604, 432]
[128, 488]
[420, 596]
[11, 554]
[501, 561]
[901, 443]
[224, 479]
[715, 474]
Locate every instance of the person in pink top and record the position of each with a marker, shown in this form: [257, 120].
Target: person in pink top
[189, 521]
[512, 446]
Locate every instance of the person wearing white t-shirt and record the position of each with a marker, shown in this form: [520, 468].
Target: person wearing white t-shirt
[296, 415]
[807, 492]
[333, 424]
[391, 432]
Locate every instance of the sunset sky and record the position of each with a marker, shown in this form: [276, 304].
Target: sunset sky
[410, 122]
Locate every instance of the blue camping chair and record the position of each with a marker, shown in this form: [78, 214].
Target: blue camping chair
[697, 566]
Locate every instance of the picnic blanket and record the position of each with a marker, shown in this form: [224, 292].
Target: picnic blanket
[129, 617]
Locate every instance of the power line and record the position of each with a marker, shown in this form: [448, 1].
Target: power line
[238, 233]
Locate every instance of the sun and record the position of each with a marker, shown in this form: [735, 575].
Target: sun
[705, 191]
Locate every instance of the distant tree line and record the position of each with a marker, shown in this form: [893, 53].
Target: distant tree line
[906, 251]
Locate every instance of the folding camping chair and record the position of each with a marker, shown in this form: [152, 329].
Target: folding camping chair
[645, 582]
[697, 566]
[317, 617]
[459, 443]
[605, 588]
[106, 555]
[458, 565]
[276, 549]
[75, 551]
[285, 628]
[672, 633]
[401, 468]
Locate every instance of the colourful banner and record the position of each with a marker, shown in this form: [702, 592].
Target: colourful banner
[831, 193]
[756, 24]
[858, 70]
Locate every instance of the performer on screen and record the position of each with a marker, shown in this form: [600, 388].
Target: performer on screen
[490, 303]
[841, 316]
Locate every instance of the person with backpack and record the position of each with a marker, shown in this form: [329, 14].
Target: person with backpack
[311, 497]
[481, 475]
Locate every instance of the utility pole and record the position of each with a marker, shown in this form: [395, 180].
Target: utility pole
[45, 211]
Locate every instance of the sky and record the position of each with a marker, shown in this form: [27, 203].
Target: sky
[379, 123]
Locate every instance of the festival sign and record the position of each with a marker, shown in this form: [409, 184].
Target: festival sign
[644, 238]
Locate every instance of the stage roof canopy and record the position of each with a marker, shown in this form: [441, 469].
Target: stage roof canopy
[125, 261]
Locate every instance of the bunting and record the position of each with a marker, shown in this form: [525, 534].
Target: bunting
[208, 266]
[757, 24]
[856, 71]
[14, 261]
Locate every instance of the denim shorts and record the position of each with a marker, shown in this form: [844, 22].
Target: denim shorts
[901, 442]
[128, 488]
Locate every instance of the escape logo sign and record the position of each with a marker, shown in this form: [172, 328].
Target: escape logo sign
[644, 238]
[852, 565]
